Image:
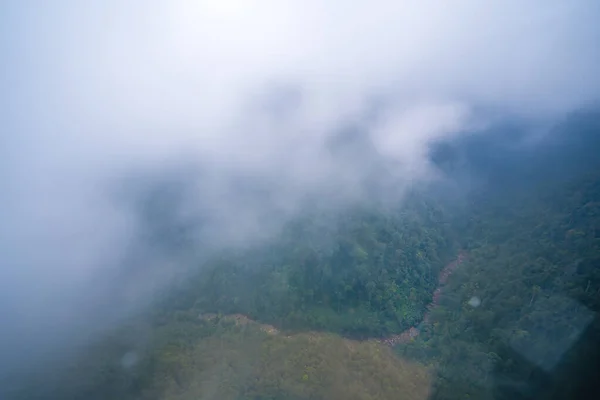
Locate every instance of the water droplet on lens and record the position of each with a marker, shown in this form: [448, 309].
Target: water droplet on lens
[474, 302]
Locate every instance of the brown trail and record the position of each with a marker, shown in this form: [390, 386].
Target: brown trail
[413, 331]
[393, 340]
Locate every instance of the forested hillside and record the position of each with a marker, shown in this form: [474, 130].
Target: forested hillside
[308, 314]
[533, 268]
[362, 273]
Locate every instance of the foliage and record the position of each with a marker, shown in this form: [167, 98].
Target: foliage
[364, 273]
[225, 358]
[533, 263]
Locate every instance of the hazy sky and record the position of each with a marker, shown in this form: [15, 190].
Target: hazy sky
[250, 90]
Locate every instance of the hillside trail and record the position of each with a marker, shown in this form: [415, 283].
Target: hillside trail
[393, 340]
[414, 331]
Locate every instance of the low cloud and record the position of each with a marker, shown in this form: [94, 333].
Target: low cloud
[264, 104]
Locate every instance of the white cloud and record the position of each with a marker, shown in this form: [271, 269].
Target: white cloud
[256, 89]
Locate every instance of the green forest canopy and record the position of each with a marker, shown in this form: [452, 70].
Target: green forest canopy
[328, 283]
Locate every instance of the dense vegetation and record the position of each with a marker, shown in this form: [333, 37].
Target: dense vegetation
[290, 319]
[363, 273]
[533, 263]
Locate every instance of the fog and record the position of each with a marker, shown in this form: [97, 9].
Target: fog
[258, 107]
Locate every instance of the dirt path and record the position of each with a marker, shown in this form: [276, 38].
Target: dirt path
[393, 340]
[413, 331]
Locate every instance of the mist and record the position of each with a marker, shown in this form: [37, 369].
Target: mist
[247, 111]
